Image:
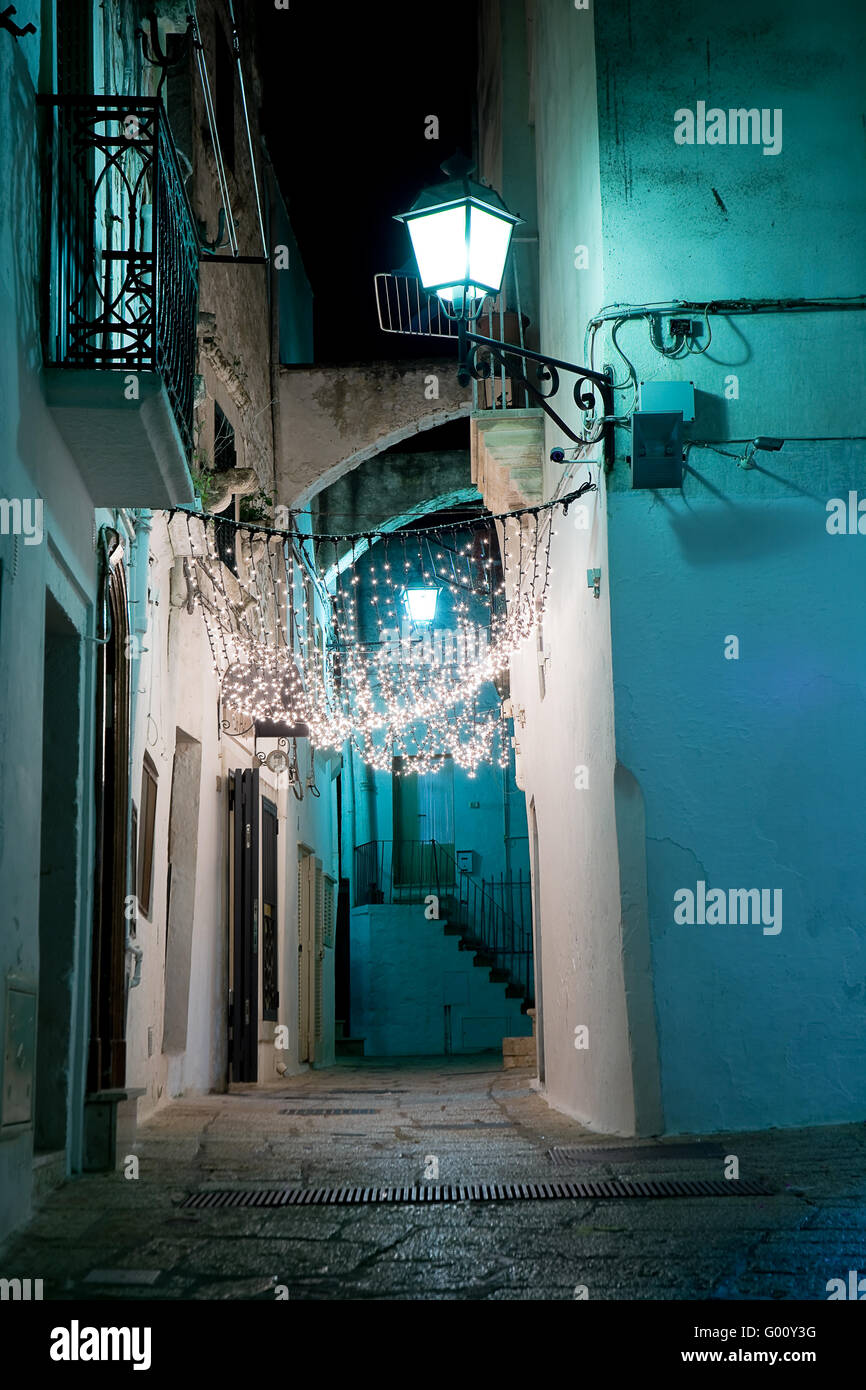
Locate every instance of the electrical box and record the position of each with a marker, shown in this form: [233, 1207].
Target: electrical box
[656, 449]
[465, 860]
[668, 396]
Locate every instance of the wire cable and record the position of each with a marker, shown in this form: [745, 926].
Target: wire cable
[211, 120]
[237, 52]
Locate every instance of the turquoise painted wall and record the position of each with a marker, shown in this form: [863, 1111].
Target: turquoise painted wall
[416, 994]
[751, 769]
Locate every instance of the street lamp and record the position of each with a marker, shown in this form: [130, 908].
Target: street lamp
[421, 604]
[461, 234]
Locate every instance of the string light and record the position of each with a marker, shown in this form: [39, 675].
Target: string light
[347, 659]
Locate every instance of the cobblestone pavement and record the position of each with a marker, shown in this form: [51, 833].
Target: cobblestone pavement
[366, 1122]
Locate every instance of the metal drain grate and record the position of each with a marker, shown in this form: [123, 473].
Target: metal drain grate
[337, 1110]
[474, 1192]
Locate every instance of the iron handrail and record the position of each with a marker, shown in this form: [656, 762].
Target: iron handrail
[495, 930]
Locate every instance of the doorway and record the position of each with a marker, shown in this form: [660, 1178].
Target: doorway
[244, 936]
[270, 929]
[107, 1056]
[57, 875]
[182, 856]
[423, 811]
[308, 973]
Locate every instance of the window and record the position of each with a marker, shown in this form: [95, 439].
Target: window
[541, 656]
[224, 460]
[133, 878]
[225, 454]
[329, 924]
[149, 777]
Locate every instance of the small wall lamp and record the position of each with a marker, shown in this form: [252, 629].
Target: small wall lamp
[763, 441]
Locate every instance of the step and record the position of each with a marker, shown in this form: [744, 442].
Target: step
[349, 1047]
[518, 1052]
[519, 1047]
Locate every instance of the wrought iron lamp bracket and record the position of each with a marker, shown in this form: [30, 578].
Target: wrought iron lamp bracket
[153, 52]
[282, 747]
[540, 376]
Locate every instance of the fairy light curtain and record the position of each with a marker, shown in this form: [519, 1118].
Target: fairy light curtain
[318, 629]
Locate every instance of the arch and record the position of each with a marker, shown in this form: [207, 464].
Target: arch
[332, 419]
[394, 523]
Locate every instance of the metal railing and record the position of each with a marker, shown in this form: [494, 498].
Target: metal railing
[124, 247]
[400, 871]
[403, 306]
[502, 319]
[494, 916]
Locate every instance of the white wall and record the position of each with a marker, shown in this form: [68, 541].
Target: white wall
[581, 938]
[177, 688]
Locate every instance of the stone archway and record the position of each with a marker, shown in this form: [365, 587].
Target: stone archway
[331, 419]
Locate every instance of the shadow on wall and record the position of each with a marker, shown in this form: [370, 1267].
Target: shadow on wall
[637, 952]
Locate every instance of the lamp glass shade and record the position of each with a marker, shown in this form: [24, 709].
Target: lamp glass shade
[439, 243]
[421, 604]
[461, 233]
[489, 240]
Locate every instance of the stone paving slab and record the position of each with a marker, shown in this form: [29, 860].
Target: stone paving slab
[482, 1123]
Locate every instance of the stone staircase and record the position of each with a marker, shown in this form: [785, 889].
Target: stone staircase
[483, 958]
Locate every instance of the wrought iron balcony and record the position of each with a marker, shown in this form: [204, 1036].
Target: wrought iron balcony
[122, 305]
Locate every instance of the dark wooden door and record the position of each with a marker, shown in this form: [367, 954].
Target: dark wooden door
[244, 1009]
[270, 956]
[106, 1069]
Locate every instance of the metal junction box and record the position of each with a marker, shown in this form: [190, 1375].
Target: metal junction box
[668, 396]
[657, 449]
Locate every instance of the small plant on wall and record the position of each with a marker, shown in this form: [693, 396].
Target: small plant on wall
[203, 479]
[256, 507]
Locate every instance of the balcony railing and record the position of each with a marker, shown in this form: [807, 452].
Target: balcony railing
[124, 247]
[404, 307]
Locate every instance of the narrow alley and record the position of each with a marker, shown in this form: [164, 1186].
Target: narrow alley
[432, 683]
